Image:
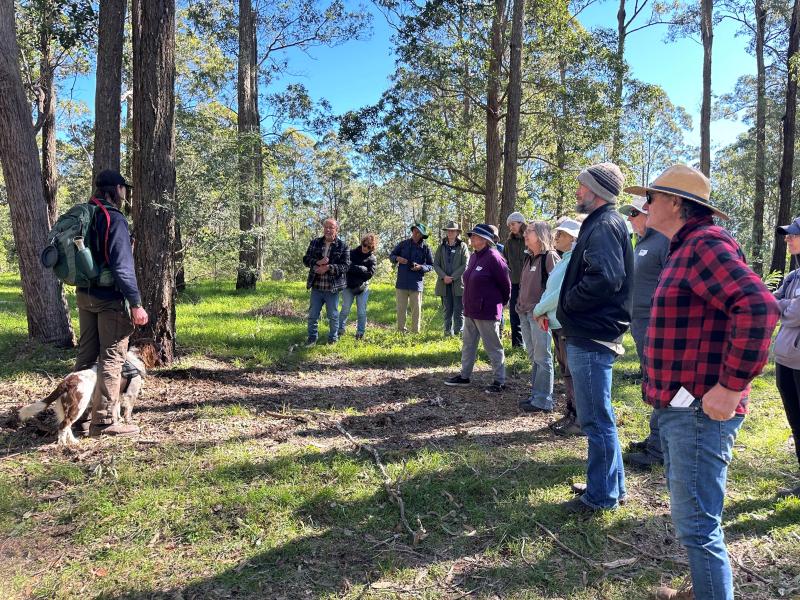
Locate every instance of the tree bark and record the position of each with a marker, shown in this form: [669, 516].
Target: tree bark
[48, 112]
[154, 166]
[249, 149]
[493, 114]
[619, 82]
[787, 165]
[46, 307]
[761, 141]
[108, 93]
[707, 35]
[509, 197]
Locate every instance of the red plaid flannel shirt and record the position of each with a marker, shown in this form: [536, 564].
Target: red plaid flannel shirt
[711, 320]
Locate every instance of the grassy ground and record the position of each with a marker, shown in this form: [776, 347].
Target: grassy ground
[221, 497]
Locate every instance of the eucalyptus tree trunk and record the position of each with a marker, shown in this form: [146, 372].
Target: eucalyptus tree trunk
[619, 82]
[493, 114]
[761, 117]
[789, 124]
[108, 90]
[47, 108]
[154, 166]
[509, 197]
[707, 35]
[249, 150]
[46, 307]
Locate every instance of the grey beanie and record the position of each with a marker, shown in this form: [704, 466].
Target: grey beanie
[516, 217]
[604, 179]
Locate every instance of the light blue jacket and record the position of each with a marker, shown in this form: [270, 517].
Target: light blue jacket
[549, 301]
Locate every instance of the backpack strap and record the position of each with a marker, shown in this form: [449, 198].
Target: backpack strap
[108, 225]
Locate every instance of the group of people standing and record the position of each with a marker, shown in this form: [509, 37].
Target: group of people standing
[701, 320]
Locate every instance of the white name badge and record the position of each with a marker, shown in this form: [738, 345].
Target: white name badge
[682, 399]
[479, 268]
[643, 252]
[533, 269]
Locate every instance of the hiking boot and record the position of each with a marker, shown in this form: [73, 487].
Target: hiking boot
[579, 489]
[641, 461]
[81, 429]
[528, 407]
[457, 380]
[789, 492]
[668, 593]
[311, 342]
[495, 388]
[576, 506]
[637, 446]
[113, 429]
[359, 336]
[568, 427]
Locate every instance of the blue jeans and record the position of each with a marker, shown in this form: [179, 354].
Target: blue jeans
[361, 310]
[591, 379]
[331, 302]
[653, 441]
[697, 451]
[453, 311]
[538, 344]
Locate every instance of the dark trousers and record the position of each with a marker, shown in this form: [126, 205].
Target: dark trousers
[453, 311]
[516, 332]
[560, 343]
[105, 329]
[788, 381]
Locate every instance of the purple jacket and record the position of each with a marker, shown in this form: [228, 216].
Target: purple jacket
[487, 285]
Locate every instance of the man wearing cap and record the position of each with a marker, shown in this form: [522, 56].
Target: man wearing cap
[107, 315]
[328, 260]
[649, 258]
[413, 259]
[594, 311]
[487, 288]
[709, 334]
[449, 263]
[514, 253]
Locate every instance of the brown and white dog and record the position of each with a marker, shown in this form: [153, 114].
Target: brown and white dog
[74, 394]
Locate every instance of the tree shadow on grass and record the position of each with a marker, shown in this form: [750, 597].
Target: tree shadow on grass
[477, 520]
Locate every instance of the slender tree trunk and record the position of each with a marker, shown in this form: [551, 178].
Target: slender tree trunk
[48, 110]
[493, 114]
[761, 142]
[108, 93]
[619, 83]
[46, 307]
[707, 35]
[789, 124]
[561, 134]
[154, 166]
[509, 198]
[249, 149]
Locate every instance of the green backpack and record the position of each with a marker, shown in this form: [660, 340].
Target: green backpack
[69, 257]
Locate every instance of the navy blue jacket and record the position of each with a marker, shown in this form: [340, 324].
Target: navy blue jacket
[414, 253]
[120, 257]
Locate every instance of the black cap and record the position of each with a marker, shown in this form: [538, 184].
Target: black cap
[109, 178]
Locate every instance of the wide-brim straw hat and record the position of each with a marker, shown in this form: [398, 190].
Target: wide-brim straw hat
[451, 226]
[682, 181]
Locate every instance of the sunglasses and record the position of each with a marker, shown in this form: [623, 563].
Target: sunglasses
[634, 213]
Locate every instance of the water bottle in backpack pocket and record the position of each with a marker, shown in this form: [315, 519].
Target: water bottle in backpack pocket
[67, 254]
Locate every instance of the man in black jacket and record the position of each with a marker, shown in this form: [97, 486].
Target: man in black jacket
[594, 310]
[107, 315]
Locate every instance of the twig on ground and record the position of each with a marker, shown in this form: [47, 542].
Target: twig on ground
[292, 416]
[750, 571]
[643, 552]
[564, 547]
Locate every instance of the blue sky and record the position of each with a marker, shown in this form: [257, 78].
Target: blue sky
[355, 74]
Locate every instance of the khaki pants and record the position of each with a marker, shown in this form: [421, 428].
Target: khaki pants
[105, 329]
[404, 298]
